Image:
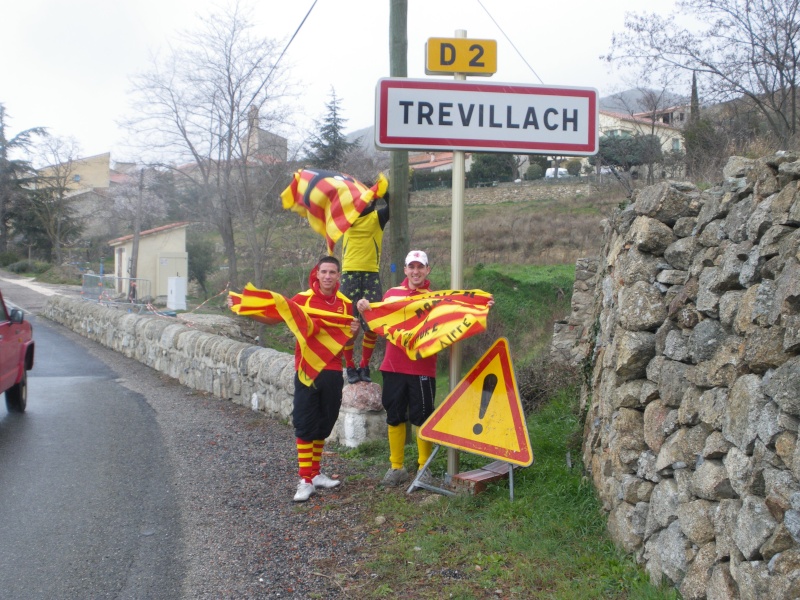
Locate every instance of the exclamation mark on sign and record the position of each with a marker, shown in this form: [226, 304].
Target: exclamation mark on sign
[489, 383]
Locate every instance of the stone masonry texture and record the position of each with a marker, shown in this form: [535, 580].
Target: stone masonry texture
[689, 325]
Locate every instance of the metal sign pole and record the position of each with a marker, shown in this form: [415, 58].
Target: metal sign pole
[456, 264]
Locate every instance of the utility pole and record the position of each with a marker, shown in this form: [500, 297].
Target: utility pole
[398, 182]
[137, 226]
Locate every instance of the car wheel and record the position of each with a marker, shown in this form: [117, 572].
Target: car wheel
[17, 395]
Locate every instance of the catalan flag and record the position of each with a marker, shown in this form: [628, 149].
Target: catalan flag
[430, 322]
[321, 335]
[331, 201]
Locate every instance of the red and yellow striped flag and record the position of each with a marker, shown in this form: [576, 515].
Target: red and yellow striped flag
[331, 201]
[428, 323]
[321, 335]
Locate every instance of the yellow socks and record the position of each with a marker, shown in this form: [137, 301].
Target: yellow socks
[424, 447]
[397, 443]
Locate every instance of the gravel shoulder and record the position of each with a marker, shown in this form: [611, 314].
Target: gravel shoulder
[235, 474]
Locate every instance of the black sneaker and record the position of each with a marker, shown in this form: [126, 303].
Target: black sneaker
[353, 375]
[363, 374]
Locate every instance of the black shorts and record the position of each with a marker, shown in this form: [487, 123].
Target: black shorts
[407, 397]
[316, 407]
[361, 284]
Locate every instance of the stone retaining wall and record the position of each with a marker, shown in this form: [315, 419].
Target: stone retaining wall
[509, 192]
[694, 400]
[259, 378]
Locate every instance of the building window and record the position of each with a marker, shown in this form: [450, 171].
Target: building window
[676, 144]
[76, 178]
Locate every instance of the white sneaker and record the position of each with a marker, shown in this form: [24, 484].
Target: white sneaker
[304, 491]
[323, 481]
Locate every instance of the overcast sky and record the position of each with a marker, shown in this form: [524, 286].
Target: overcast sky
[66, 65]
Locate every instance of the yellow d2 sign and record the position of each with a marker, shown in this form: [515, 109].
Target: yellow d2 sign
[460, 55]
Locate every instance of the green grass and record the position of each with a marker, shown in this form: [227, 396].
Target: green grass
[549, 542]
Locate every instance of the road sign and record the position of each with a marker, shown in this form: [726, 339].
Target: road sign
[483, 413]
[431, 114]
[460, 55]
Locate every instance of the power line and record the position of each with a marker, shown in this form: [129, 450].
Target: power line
[289, 43]
[510, 42]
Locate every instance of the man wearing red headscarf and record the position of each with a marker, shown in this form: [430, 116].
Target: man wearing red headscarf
[316, 406]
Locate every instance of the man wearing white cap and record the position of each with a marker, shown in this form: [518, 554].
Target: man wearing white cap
[409, 386]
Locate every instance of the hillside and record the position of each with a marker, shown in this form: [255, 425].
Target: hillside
[521, 242]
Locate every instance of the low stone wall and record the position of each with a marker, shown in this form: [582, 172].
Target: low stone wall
[259, 378]
[691, 435]
[572, 337]
[507, 192]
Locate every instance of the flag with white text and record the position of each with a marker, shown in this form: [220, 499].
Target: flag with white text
[430, 322]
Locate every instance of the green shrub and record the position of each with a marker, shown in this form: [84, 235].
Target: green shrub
[534, 171]
[28, 266]
[6, 258]
[573, 167]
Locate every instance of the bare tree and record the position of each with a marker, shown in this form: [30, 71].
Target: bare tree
[740, 49]
[53, 202]
[196, 108]
[135, 203]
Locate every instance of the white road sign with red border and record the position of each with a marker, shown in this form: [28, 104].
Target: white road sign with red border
[428, 114]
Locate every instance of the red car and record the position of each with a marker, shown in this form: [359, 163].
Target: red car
[16, 356]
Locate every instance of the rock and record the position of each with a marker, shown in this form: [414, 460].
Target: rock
[745, 403]
[721, 585]
[782, 386]
[698, 575]
[724, 524]
[672, 382]
[697, 520]
[679, 254]
[668, 553]
[737, 166]
[754, 526]
[362, 396]
[665, 203]
[634, 351]
[641, 307]
[650, 235]
[710, 481]
[706, 338]
[655, 417]
[716, 446]
[682, 447]
[626, 524]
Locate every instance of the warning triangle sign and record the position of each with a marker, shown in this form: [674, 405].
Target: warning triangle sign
[483, 413]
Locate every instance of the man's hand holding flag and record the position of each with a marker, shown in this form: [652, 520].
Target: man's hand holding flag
[321, 335]
[427, 323]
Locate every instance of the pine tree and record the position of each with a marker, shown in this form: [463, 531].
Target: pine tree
[329, 147]
[16, 174]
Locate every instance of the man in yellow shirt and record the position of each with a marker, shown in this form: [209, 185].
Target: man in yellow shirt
[361, 260]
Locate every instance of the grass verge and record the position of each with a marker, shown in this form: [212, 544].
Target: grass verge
[549, 542]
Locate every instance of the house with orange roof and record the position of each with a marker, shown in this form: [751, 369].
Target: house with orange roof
[162, 254]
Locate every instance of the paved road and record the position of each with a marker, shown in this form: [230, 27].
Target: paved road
[120, 483]
[86, 500]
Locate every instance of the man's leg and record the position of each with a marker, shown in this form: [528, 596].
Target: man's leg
[305, 423]
[420, 406]
[329, 384]
[373, 293]
[395, 402]
[349, 286]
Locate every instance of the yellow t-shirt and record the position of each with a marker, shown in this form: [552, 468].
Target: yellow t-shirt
[361, 244]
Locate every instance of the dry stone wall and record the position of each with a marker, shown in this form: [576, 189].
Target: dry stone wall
[259, 378]
[508, 192]
[694, 400]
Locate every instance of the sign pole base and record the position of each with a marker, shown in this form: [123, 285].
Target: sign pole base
[419, 483]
